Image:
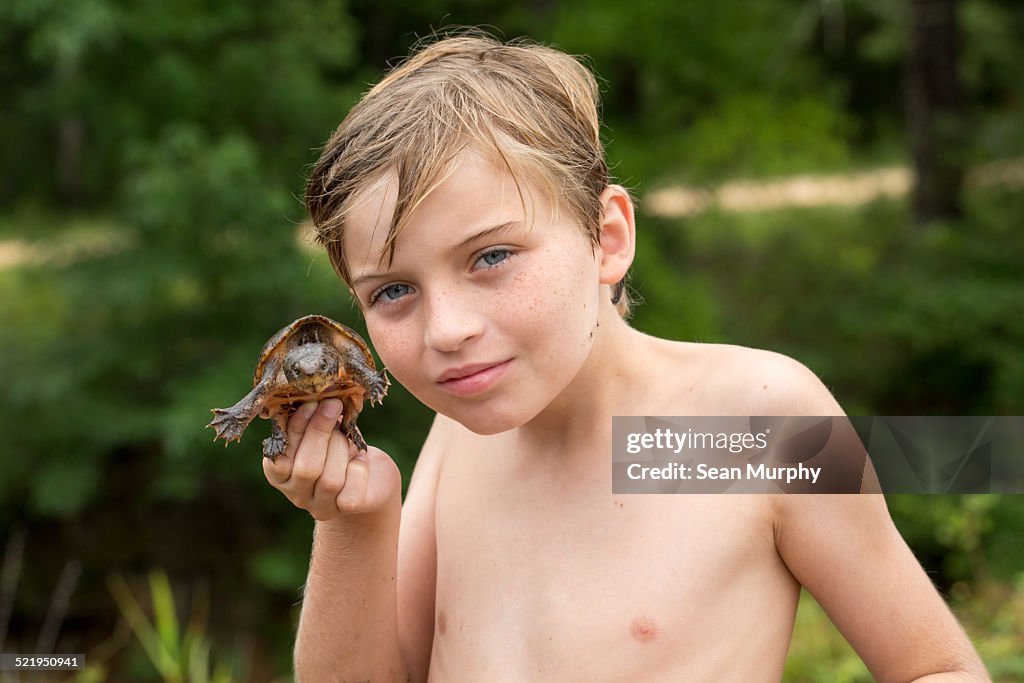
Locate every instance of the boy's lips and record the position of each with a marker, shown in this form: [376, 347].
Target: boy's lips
[474, 378]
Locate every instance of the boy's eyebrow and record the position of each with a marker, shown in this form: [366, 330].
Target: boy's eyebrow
[486, 232]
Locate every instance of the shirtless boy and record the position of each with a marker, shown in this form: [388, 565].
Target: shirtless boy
[466, 202]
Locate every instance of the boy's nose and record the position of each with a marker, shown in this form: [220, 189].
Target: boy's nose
[450, 324]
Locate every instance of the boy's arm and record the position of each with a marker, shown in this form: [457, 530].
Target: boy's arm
[848, 554]
[846, 551]
[348, 624]
[349, 627]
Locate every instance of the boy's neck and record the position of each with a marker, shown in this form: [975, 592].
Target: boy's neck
[608, 384]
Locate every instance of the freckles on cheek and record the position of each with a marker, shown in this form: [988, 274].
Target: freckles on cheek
[547, 308]
[393, 345]
[533, 302]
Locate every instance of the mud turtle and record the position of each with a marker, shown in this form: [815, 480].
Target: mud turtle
[312, 359]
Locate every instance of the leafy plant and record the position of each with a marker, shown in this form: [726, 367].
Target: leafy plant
[178, 655]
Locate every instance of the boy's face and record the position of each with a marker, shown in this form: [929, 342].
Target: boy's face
[487, 311]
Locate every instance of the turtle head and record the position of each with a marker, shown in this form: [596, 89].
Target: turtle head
[312, 367]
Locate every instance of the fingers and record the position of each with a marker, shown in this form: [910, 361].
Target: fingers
[322, 472]
[311, 446]
[297, 425]
[352, 498]
[335, 476]
[279, 470]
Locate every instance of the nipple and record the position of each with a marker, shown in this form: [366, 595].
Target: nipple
[442, 623]
[643, 629]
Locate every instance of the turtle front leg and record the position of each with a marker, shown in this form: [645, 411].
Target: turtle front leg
[348, 423]
[230, 423]
[375, 383]
[277, 442]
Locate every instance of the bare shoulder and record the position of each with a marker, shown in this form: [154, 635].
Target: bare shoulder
[737, 380]
[441, 431]
[725, 379]
[417, 544]
[417, 552]
[429, 461]
[445, 434]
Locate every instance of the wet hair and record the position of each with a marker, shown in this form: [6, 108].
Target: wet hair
[532, 107]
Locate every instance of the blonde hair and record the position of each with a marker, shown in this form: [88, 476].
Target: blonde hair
[534, 106]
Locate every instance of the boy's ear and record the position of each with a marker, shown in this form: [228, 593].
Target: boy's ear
[618, 234]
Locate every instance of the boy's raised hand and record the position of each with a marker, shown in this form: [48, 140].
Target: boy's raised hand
[323, 473]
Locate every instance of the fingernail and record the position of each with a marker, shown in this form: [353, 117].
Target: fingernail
[307, 410]
[330, 408]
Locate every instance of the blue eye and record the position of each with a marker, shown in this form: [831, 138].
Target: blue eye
[392, 292]
[494, 257]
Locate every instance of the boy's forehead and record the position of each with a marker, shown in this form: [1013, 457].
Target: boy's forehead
[368, 222]
[371, 212]
[475, 192]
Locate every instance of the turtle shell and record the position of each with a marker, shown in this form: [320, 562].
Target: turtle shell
[342, 335]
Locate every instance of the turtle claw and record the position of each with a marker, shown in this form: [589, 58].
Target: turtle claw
[274, 445]
[378, 389]
[354, 435]
[228, 425]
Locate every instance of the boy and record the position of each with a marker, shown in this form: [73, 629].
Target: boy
[466, 202]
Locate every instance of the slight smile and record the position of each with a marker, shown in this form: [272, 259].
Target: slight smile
[472, 379]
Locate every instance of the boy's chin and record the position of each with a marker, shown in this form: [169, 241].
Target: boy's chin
[486, 425]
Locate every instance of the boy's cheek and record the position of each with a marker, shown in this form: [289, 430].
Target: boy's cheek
[391, 344]
[394, 348]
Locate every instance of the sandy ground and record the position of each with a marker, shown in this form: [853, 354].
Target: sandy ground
[846, 189]
[13, 253]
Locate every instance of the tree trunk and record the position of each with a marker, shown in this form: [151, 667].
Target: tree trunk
[934, 106]
[70, 141]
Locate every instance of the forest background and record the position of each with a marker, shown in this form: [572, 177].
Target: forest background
[151, 238]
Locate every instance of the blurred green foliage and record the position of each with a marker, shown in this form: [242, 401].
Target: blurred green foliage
[177, 654]
[991, 612]
[153, 157]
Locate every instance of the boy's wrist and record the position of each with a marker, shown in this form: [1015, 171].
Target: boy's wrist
[349, 528]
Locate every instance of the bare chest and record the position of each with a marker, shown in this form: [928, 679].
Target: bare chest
[547, 579]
